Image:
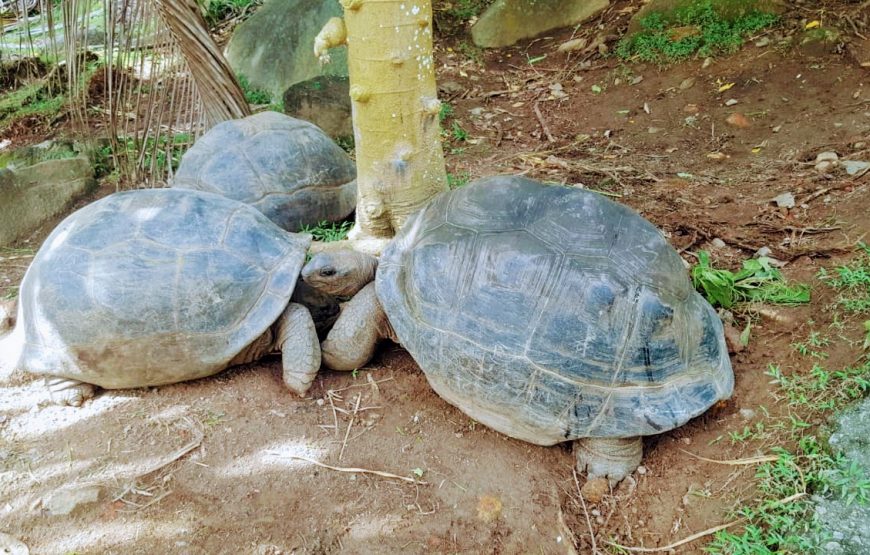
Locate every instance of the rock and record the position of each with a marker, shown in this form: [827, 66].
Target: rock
[717, 156]
[784, 200]
[848, 522]
[731, 102]
[691, 109]
[762, 42]
[707, 63]
[687, 83]
[12, 546]
[826, 161]
[763, 251]
[273, 48]
[732, 339]
[827, 156]
[747, 414]
[324, 101]
[738, 120]
[573, 44]
[594, 490]
[717, 243]
[855, 167]
[728, 10]
[39, 182]
[65, 501]
[507, 22]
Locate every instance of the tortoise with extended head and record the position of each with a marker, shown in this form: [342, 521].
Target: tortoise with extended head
[547, 313]
[286, 168]
[157, 286]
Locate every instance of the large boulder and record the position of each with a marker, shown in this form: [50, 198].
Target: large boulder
[37, 183]
[274, 48]
[324, 101]
[507, 22]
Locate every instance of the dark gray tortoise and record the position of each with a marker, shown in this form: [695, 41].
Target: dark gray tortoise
[158, 286]
[547, 313]
[286, 168]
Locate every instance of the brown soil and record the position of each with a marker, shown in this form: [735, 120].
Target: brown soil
[236, 487]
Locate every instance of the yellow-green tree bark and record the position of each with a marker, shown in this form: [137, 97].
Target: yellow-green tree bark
[400, 164]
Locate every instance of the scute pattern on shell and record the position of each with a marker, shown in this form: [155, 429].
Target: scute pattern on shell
[552, 313]
[287, 168]
[154, 286]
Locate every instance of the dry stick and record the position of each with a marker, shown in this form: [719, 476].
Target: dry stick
[352, 470]
[349, 426]
[585, 512]
[736, 462]
[701, 534]
[361, 385]
[543, 123]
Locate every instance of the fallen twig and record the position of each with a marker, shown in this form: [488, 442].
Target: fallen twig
[736, 462]
[351, 470]
[540, 117]
[349, 426]
[585, 512]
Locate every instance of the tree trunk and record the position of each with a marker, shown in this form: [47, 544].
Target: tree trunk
[222, 97]
[400, 164]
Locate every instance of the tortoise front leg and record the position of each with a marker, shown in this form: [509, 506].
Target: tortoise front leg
[66, 391]
[611, 458]
[296, 337]
[362, 323]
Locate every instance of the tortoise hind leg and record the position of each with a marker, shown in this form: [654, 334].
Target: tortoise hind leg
[612, 458]
[66, 391]
[300, 347]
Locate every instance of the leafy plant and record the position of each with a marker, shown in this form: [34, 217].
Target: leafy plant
[454, 181]
[217, 11]
[694, 28]
[458, 133]
[328, 231]
[253, 95]
[757, 281]
[853, 281]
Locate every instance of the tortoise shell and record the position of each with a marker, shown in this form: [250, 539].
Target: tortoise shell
[154, 286]
[552, 313]
[286, 168]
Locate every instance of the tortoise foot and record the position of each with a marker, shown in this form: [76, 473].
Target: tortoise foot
[611, 458]
[65, 391]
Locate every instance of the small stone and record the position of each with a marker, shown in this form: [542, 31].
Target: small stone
[732, 339]
[763, 251]
[825, 166]
[707, 63]
[784, 200]
[641, 470]
[479, 110]
[717, 243]
[731, 102]
[637, 80]
[573, 44]
[717, 156]
[687, 83]
[854, 167]
[747, 414]
[654, 130]
[777, 129]
[320, 402]
[63, 502]
[691, 109]
[762, 42]
[827, 156]
[594, 490]
[859, 145]
[738, 120]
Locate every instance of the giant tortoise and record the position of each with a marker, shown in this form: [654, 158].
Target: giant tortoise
[547, 313]
[157, 286]
[287, 168]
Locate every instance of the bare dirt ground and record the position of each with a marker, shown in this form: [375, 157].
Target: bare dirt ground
[217, 465]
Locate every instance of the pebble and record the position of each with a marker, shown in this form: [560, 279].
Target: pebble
[687, 83]
[731, 102]
[476, 111]
[784, 200]
[691, 109]
[827, 156]
[707, 63]
[762, 42]
[859, 145]
[654, 130]
[717, 243]
[738, 120]
[641, 470]
[763, 251]
[747, 414]
[594, 490]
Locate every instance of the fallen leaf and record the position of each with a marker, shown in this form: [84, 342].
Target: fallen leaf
[725, 87]
[813, 24]
[488, 508]
[596, 89]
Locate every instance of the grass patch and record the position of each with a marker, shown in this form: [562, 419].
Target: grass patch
[757, 281]
[252, 94]
[852, 280]
[328, 231]
[452, 16]
[696, 28]
[218, 11]
[456, 180]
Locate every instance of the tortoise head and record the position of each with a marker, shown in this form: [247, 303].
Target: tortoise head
[341, 273]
